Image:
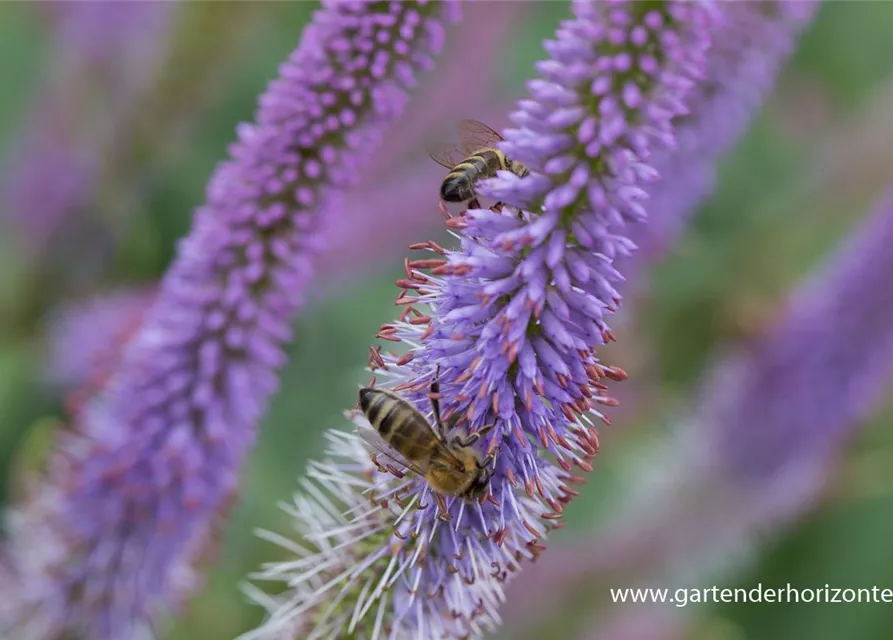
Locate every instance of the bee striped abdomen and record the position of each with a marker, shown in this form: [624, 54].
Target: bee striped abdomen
[376, 406]
[398, 423]
[449, 465]
[458, 185]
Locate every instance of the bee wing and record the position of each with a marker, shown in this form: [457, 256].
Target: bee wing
[441, 455]
[444, 459]
[374, 440]
[475, 136]
[449, 156]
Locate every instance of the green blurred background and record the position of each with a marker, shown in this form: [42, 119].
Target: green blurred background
[805, 173]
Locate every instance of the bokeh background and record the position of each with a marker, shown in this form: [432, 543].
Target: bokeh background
[145, 102]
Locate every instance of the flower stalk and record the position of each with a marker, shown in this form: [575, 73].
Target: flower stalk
[108, 47]
[112, 541]
[753, 42]
[769, 424]
[509, 323]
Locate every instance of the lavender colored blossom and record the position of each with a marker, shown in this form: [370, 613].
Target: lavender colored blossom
[820, 371]
[751, 46]
[97, 28]
[511, 320]
[756, 452]
[463, 85]
[771, 422]
[86, 338]
[130, 503]
[99, 46]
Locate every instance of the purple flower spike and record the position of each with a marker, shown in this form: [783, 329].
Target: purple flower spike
[96, 29]
[110, 542]
[819, 372]
[108, 47]
[753, 43]
[761, 442]
[86, 338]
[512, 321]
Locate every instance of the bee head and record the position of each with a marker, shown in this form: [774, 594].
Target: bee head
[480, 484]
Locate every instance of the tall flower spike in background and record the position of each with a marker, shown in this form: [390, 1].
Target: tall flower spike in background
[85, 337]
[755, 453]
[769, 427]
[110, 542]
[515, 314]
[753, 43]
[106, 46]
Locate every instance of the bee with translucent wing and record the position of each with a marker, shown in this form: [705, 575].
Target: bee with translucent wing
[449, 463]
[474, 158]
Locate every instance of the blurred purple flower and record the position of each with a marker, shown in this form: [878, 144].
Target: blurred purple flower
[758, 36]
[770, 422]
[96, 29]
[749, 51]
[86, 338]
[819, 372]
[106, 48]
[110, 542]
[757, 451]
[464, 85]
[514, 316]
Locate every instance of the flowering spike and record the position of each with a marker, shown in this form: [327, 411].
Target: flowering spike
[122, 521]
[519, 306]
[88, 338]
[751, 46]
[100, 47]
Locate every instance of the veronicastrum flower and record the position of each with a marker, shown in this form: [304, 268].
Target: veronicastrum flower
[513, 317]
[108, 47]
[818, 373]
[464, 83]
[110, 542]
[761, 442]
[86, 337]
[750, 48]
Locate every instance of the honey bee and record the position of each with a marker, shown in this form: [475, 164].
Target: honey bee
[448, 462]
[474, 158]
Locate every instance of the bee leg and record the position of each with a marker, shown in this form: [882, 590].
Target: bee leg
[473, 204]
[486, 429]
[435, 404]
[471, 438]
[466, 441]
[499, 206]
[486, 462]
[443, 514]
